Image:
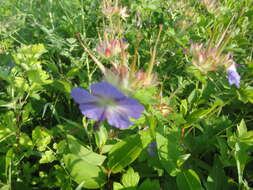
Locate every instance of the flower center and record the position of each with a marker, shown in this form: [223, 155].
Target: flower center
[106, 102]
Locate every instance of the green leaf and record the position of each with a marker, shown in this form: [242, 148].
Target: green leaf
[52, 67]
[247, 138]
[81, 171]
[4, 75]
[38, 76]
[197, 74]
[101, 136]
[6, 132]
[184, 107]
[71, 40]
[83, 153]
[126, 151]
[146, 95]
[9, 159]
[150, 184]
[246, 95]
[117, 186]
[47, 157]
[241, 129]
[130, 178]
[241, 157]
[41, 138]
[5, 187]
[80, 186]
[21, 83]
[201, 112]
[73, 72]
[37, 50]
[25, 140]
[242, 143]
[62, 86]
[170, 151]
[29, 53]
[224, 151]
[192, 97]
[188, 180]
[217, 178]
[152, 123]
[177, 118]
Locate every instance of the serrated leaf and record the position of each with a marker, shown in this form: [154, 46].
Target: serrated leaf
[30, 52]
[130, 178]
[41, 138]
[188, 180]
[47, 157]
[38, 76]
[21, 83]
[126, 151]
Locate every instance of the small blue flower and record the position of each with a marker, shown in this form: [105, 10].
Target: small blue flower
[152, 148]
[107, 102]
[233, 76]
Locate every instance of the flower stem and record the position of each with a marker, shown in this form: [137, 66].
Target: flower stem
[153, 54]
[99, 64]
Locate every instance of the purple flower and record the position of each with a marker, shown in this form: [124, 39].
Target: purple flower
[152, 148]
[107, 102]
[233, 76]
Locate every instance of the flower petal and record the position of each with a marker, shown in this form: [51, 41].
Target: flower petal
[93, 111]
[130, 108]
[107, 90]
[81, 96]
[117, 120]
[233, 76]
[152, 148]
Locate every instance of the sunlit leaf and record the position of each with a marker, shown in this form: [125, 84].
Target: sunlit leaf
[126, 151]
[170, 151]
[83, 153]
[188, 180]
[91, 176]
[130, 178]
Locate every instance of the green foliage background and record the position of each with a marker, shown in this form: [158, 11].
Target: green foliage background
[206, 142]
